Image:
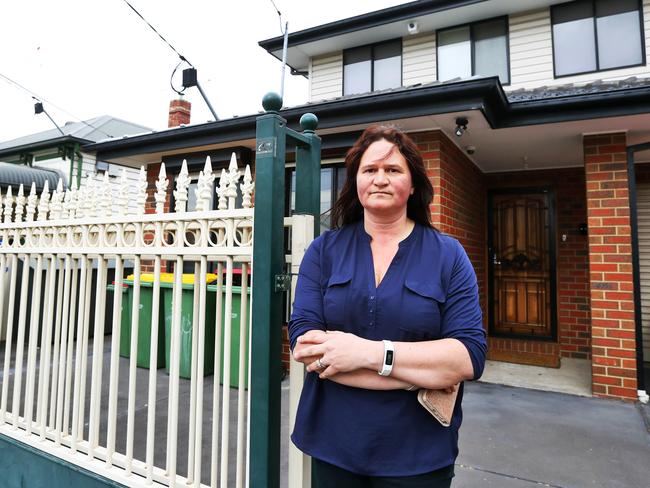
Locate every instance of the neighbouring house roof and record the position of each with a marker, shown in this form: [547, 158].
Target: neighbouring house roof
[500, 109]
[16, 174]
[91, 130]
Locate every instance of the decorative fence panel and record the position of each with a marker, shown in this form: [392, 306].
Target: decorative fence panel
[71, 381]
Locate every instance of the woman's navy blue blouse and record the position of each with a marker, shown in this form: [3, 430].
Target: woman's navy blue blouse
[429, 292]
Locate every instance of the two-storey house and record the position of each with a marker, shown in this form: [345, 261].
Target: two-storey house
[534, 121]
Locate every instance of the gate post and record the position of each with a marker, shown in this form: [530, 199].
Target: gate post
[308, 172]
[268, 261]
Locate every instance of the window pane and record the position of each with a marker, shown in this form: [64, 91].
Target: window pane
[454, 54]
[191, 196]
[387, 65]
[325, 189]
[574, 46]
[619, 33]
[356, 70]
[293, 191]
[340, 180]
[490, 49]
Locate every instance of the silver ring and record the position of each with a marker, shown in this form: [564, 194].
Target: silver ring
[320, 364]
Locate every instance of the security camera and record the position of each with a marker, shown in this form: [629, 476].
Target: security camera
[470, 150]
[413, 27]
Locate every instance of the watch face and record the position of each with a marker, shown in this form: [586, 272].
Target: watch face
[389, 358]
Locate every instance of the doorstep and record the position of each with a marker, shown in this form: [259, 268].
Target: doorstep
[573, 376]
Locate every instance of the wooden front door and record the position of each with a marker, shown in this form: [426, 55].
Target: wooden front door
[521, 240]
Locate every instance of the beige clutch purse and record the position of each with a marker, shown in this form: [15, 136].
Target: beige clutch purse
[439, 403]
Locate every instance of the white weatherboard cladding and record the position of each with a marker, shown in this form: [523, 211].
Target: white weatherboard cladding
[531, 53]
[643, 207]
[419, 59]
[326, 77]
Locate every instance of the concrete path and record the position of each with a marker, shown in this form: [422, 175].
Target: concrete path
[516, 437]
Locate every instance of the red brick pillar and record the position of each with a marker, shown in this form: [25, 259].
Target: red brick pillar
[610, 267]
[459, 200]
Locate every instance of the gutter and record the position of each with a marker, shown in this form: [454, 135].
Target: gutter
[483, 94]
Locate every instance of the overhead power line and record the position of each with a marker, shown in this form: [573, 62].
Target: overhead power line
[42, 99]
[182, 58]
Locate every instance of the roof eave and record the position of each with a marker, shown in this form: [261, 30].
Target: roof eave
[37, 146]
[485, 95]
[364, 21]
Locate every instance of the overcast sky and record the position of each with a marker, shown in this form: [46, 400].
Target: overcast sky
[91, 58]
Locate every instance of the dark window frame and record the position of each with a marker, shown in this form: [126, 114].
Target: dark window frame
[471, 26]
[372, 63]
[598, 69]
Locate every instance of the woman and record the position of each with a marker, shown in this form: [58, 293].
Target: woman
[385, 305]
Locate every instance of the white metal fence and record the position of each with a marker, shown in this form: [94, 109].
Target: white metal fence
[63, 390]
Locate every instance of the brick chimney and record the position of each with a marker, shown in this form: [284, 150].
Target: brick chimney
[179, 112]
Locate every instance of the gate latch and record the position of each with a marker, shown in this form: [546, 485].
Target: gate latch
[282, 282]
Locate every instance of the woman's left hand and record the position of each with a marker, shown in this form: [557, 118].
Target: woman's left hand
[339, 352]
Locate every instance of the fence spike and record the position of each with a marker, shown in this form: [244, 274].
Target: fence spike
[20, 204]
[66, 207]
[105, 197]
[56, 205]
[182, 184]
[89, 198]
[233, 178]
[44, 203]
[9, 202]
[122, 200]
[32, 200]
[203, 192]
[76, 210]
[161, 189]
[247, 187]
[141, 198]
[222, 190]
[207, 167]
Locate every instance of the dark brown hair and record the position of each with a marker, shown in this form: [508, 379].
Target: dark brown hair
[348, 209]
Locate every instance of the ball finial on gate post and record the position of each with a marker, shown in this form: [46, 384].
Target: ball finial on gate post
[272, 102]
[308, 122]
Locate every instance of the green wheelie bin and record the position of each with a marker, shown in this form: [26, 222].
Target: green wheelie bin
[187, 318]
[144, 323]
[234, 334]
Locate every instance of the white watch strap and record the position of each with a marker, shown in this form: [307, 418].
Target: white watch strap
[389, 358]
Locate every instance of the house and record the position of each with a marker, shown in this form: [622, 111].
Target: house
[52, 155]
[534, 121]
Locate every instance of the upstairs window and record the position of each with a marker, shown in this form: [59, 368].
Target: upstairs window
[594, 35]
[371, 68]
[478, 49]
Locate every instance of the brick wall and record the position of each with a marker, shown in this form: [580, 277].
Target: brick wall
[574, 338]
[610, 268]
[458, 207]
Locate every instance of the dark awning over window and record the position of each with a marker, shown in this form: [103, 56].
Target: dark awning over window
[15, 174]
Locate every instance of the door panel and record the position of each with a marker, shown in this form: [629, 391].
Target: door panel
[522, 291]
